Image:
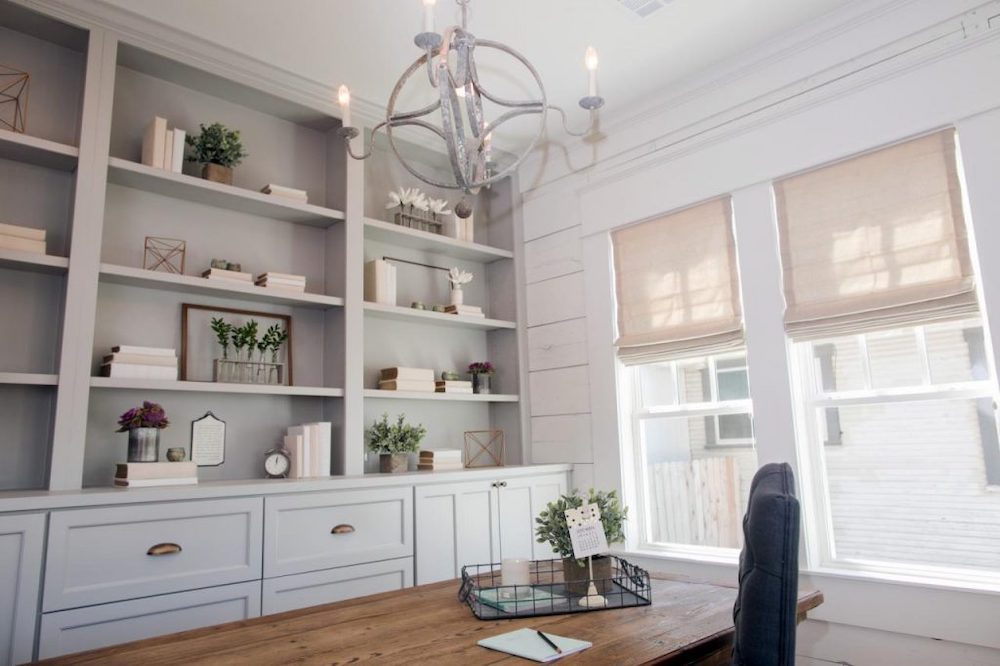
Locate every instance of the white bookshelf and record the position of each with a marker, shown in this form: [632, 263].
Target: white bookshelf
[414, 239]
[197, 190]
[214, 387]
[189, 284]
[28, 379]
[30, 261]
[395, 312]
[441, 397]
[38, 152]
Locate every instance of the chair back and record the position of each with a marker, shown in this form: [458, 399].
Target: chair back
[767, 602]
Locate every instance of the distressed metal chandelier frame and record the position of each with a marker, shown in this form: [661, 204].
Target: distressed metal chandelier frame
[467, 146]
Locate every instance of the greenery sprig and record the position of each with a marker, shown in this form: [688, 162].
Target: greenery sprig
[551, 522]
[398, 437]
[216, 145]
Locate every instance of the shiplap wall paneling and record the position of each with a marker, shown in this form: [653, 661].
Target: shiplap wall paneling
[559, 345]
[550, 212]
[564, 438]
[553, 255]
[562, 391]
[555, 300]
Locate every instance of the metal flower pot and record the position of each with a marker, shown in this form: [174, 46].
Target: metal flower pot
[143, 444]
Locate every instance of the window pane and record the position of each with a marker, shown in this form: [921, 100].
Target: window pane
[735, 427]
[895, 359]
[694, 384]
[956, 354]
[656, 383]
[839, 365]
[733, 384]
[695, 495]
[909, 483]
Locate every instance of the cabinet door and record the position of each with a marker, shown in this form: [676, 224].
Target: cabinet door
[325, 587]
[21, 539]
[456, 525]
[521, 500]
[65, 632]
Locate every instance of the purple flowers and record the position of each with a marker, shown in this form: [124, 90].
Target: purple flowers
[481, 368]
[150, 415]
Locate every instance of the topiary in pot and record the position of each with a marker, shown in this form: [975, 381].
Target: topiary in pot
[394, 442]
[219, 149]
[552, 529]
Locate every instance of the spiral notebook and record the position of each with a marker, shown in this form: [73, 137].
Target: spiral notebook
[526, 643]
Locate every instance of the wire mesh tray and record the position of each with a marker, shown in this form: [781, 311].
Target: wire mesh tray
[550, 592]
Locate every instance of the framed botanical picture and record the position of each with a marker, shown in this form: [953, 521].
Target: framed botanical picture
[235, 346]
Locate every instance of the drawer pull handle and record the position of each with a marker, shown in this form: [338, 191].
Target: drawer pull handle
[342, 529]
[164, 549]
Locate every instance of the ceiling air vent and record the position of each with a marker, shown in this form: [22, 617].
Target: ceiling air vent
[643, 8]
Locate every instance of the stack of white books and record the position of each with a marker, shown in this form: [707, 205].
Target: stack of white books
[380, 282]
[407, 379]
[284, 281]
[309, 446]
[440, 459]
[139, 475]
[460, 229]
[131, 362]
[22, 239]
[286, 192]
[452, 386]
[163, 148]
[227, 276]
[465, 310]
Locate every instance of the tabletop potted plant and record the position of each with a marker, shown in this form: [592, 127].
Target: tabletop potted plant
[394, 442]
[143, 425]
[218, 149]
[551, 528]
[482, 376]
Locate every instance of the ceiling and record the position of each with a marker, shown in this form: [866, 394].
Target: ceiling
[367, 43]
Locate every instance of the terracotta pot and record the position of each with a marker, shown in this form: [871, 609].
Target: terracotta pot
[217, 173]
[393, 462]
[577, 577]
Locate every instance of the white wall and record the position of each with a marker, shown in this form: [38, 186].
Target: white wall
[880, 72]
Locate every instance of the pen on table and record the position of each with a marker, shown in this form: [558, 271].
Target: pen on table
[549, 641]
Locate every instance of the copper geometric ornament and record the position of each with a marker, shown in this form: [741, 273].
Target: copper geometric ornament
[484, 448]
[164, 254]
[13, 98]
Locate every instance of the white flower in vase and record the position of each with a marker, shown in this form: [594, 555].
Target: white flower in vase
[458, 277]
[439, 207]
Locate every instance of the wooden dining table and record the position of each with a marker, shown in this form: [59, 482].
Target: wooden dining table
[689, 622]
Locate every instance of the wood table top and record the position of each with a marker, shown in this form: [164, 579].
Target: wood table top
[427, 624]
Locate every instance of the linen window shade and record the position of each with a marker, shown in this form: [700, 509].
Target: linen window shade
[676, 284]
[876, 241]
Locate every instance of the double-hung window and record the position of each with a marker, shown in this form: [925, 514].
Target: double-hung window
[685, 382]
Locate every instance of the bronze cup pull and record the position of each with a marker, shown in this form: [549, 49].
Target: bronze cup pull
[164, 549]
[342, 529]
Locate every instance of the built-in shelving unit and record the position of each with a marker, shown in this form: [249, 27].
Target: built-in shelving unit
[393, 234]
[445, 397]
[398, 313]
[214, 387]
[37, 151]
[28, 379]
[29, 261]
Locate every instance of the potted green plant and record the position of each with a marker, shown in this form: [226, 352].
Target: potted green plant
[143, 425]
[218, 149]
[394, 442]
[552, 529]
[482, 376]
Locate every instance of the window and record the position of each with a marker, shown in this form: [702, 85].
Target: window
[693, 448]
[910, 475]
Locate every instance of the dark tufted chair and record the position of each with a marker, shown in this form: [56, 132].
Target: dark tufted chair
[766, 605]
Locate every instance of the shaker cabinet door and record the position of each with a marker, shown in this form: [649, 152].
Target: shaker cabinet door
[21, 543]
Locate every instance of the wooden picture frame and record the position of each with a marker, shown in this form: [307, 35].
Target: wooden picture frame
[193, 343]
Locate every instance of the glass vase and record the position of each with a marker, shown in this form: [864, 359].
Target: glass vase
[482, 383]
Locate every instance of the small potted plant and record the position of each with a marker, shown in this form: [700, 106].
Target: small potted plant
[482, 376]
[218, 149]
[394, 442]
[143, 425]
[552, 529]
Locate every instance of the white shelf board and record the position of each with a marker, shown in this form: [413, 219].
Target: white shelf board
[40, 152]
[398, 313]
[190, 284]
[189, 188]
[394, 234]
[31, 261]
[463, 397]
[29, 378]
[214, 387]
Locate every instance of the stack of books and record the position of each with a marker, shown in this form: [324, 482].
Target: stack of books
[460, 229]
[130, 362]
[138, 475]
[286, 192]
[452, 386]
[228, 276]
[380, 282]
[284, 281]
[309, 446]
[440, 460]
[22, 239]
[163, 148]
[407, 379]
[465, 310]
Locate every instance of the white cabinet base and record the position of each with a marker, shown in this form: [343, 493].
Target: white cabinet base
[324, 587]
[20, 575]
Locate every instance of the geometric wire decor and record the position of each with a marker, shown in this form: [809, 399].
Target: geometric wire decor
[164, 254]
[13, 98]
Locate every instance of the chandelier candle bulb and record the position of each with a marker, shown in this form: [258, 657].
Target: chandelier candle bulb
[590, 60]
[429, 15]
[344, 99]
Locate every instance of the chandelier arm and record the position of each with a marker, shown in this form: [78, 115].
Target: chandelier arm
[407, 115]
[509, 115]
[564, 116]
[474, 103]
[371, 144]
[451, 122]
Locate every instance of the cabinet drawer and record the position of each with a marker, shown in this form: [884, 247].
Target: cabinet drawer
[80, 629]
[325, 587]
[325, 530]
[116, 553]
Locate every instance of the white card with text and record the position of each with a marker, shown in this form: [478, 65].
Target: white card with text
[586, 531]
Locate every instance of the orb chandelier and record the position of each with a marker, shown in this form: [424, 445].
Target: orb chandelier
[449, 60]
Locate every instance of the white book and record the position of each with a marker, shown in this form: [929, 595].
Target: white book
[134, 349]
[168, 150]
[420, 374]
[149, 483]
[442, 454]
[177, 159]
[315, 450]
[282, 287]
[305, 457]
[468, 231]
[322, 432]
[142, 359]
[230, 275]
[271, 275]
[278, 282]
[282, 191]
[380, 282]
[452, 227]
[293, 444]
[154, 142]
[22, 244]
[29, 233]
[130, 371]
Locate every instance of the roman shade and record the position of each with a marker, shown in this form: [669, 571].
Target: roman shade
[676, 284]
[876, 241]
